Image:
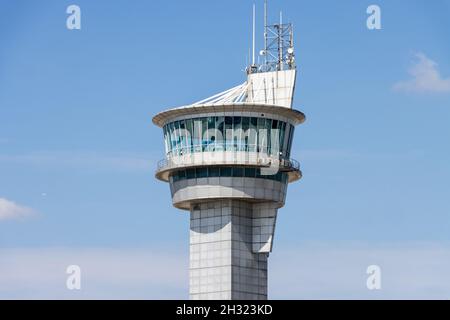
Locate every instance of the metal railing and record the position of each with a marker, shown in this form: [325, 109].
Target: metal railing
[164, 163]
[284, 163]
[290, 163]
[227, 146]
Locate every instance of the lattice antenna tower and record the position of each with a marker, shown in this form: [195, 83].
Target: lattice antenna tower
[278, 53]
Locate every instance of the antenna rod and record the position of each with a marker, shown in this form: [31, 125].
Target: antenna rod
[280, 43]
[265, 33]
[253, 56]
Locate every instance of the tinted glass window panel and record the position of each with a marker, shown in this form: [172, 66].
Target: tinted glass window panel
[189, 134]
[228, 137]
[268, 128]
[172, 138]
[177, 137]
[250, 172]
[213, 172]
[238, 172]
[197, 137]
[237, 133]
[282, 132]
[286, 140]
[211, 134]
[211, 122]
[190, 173]
[245, 123]
[183, 138]
[252, 134]
[277, 177]
[204, 133]
[165, 139]
[201, 172]
[291, 135]
[225, 172]
[275, 138]
[244, 136]
[220, 127]
[274, 124]
[262, 136]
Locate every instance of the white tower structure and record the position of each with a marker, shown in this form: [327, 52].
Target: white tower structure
[228, 162]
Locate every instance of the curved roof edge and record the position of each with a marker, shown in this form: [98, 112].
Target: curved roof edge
[163, 117]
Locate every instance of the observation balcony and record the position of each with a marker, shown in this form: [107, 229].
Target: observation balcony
[185, 159]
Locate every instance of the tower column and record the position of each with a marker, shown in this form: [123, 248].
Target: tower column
[230, 241]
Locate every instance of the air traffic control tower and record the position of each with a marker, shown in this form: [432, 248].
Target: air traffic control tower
[228, 163]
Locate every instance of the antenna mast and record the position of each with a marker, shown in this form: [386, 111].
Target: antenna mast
[278, 49]
[280, 43]
[253, 53]
[265, 32]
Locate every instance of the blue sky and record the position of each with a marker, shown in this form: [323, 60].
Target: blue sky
[78, 150]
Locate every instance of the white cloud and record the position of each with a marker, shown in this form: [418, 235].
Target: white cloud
[338, 271]
[425, 77]
[106, 273]
[309, 271]
[11, 210]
